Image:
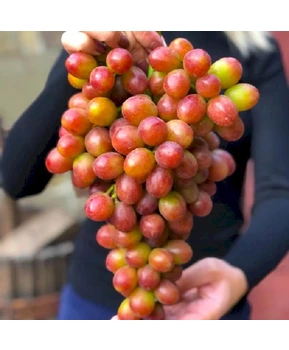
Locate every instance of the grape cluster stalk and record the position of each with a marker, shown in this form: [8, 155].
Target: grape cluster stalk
[147, 146]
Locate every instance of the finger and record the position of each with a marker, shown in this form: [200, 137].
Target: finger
[78, 41]
[115, 318]
[202, 309]
[149, 40]
[141, 44]
[174, 311]
[113, 38]
[199, 274]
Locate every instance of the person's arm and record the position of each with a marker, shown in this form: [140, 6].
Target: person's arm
[34, 134]
[266, 241]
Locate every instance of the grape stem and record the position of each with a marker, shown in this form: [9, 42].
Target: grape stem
[111, 189]
[150, 71]
[114, 197]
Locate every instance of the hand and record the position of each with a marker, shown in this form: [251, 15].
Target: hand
[209, 289]
[140, 44]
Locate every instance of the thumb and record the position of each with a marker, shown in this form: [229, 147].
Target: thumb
[201, 273]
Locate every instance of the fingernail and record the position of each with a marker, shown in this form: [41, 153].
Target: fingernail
[154, 45]
[143, 65]
[123, 41]
[100, 47]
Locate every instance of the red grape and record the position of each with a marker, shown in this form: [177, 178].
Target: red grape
[62, 132]
[99, 207]
[203, 127]
[228, 69]
[197, 62]
[125, 280]
[124, 311]
[148, 278]
[180, 132]
[119, 60]
[161, 260]
[80, 64]
[139, 163]
[184, 226]
[90, 92]
[83, 173]
[104, 236]
[158, 313]
[219, 169]
[192, 108]
[101, 111]
[97, 141]
[108, 166]
[123, 217]
[174, 275]
[167, 292]
[245, 96]
[181, 251]
[203, 157]
[212, 140]
[163, 59]
[56, 163]
[127, 239]
[172, 206]
[156, 82]
[188, 166]
[158, 241]
[118, 94]
[209, 186]
[203, 206]
[115, 259]
[222, 110]
[169, 154]
[177, 84]
[126, 138]
[102, 79]
[116, 125]
[167, 108]
[78, 101]
[76, 82]
[128, 190]
[228, 158]
[137, 108]
[99, 186]
[153, 131]
[134, 81]
[208, 86]
[181, 46]
[147, 204]
[75, 121]
[138, 256]
[70, 146]
[159, 182]
[152, 226]
[142, 302]
[233, 132]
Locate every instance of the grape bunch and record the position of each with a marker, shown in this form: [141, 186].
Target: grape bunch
[147, 146]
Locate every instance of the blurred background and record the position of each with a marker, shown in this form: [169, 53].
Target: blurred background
[32, 266]
[25, 60]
